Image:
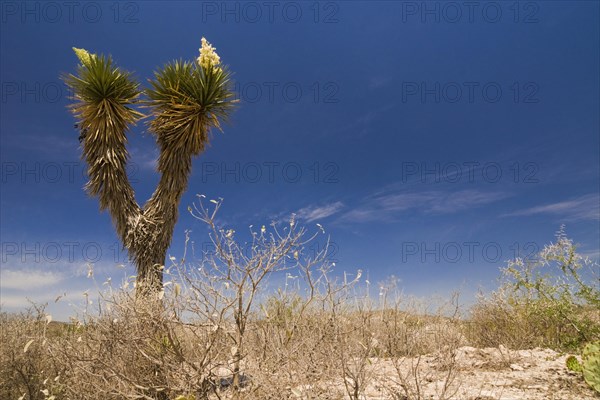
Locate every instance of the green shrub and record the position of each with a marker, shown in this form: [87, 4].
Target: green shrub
[550, 301]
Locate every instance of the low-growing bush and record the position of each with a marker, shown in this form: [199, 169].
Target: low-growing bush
[551, 301]
[27, 368]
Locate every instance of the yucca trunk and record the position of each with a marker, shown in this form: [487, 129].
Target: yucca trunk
[160, 215]
[146, 233]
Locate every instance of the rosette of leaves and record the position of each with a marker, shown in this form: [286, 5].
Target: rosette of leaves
[187, 100]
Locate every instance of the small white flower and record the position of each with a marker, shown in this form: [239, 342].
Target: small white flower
[208, 55]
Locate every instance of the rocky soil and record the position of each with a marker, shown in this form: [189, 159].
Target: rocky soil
[484, 374]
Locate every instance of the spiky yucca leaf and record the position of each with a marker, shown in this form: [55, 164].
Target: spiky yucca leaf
[187, 100]
[103, 97]
[99, 83]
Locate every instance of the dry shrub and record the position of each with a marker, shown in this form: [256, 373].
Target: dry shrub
[328, 345]
[213, 333]
[138, 348]
[26, 367]
[422, 347]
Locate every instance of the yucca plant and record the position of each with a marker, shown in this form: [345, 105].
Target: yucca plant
[185, 99]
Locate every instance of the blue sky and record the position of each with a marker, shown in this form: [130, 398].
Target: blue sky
[433, 141]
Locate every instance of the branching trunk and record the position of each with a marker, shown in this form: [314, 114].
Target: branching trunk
[146, 233]
[187, 100]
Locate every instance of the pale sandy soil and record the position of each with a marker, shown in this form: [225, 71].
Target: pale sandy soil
[490, 374]
[481, 374]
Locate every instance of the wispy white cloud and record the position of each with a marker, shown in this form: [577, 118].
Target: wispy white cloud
[465, 199]
[29, 280]
[38, 140]
[313, 213]
[586, 207]
[144, 159]
[44, 283]
[384, 206]
[20, 287]
[376, 82]
[363, 123]
[18, 301]
[593, 255]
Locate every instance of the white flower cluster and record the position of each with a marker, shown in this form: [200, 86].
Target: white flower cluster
[84, 57]
[208, 55]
